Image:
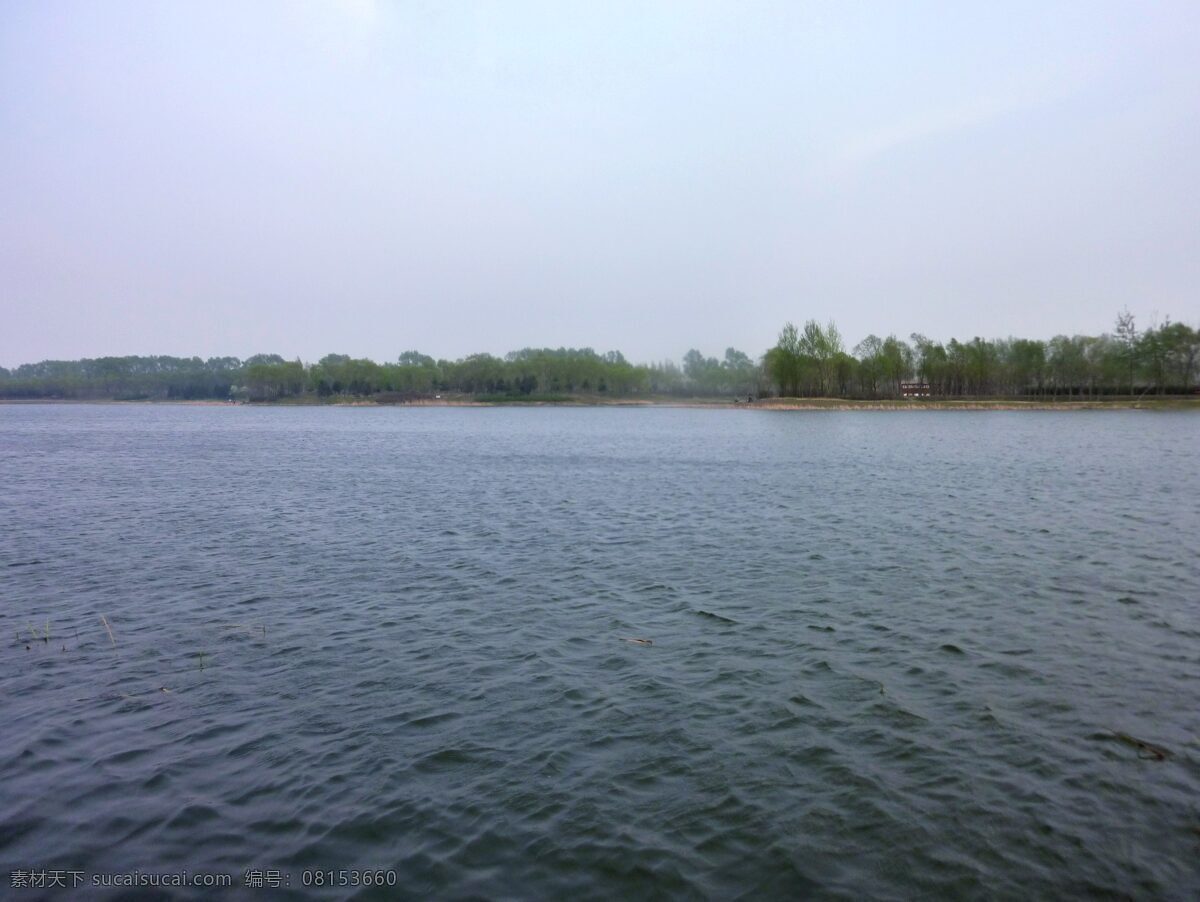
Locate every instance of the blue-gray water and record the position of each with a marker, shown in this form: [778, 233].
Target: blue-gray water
[889, 649]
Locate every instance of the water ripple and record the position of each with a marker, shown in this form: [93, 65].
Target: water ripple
[884, 656]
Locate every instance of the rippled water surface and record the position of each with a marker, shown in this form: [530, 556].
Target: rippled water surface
[890, 650]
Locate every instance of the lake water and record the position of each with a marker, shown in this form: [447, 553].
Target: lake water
[890, 650]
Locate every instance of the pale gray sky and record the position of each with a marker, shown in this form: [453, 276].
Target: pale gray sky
[366, 177]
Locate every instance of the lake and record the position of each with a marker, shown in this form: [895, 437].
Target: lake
[889, 653]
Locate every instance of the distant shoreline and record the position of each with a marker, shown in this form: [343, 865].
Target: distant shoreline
[773, 404]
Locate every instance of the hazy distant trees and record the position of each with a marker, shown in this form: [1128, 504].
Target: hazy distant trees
[736, 374]
[131, 378]
[271, 381]
[811, 361]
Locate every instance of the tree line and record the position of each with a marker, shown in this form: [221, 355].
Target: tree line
[529, 373]
[808, 361]
[813, 362]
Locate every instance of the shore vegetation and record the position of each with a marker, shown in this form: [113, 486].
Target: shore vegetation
[812, 362]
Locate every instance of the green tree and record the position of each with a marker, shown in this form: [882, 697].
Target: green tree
[870, 363]
[1027, 365]
[1127, 338]
[783, 362]
[896, 360]
[821, 346]
[1182, 346]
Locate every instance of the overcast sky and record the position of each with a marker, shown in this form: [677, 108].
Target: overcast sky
[367, 177]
